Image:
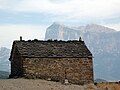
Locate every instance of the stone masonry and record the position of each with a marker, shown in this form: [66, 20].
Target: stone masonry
[52, 60]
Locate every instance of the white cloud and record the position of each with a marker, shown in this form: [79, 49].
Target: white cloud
[71, 8]
[11, 32]
[64, 10]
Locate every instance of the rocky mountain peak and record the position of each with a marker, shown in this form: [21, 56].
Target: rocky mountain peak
[56, 25]
[98, 28]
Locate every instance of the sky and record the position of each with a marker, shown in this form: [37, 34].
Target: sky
[30, 18]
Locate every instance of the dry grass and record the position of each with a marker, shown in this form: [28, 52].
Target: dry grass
[30, 84]
[109, 86]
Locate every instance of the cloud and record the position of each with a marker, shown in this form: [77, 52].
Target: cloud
[71, 8]
[91, 11]
[75, 11]
[11, 32]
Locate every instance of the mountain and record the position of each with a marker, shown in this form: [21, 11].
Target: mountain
[61, 32]
[4, 75]
[102, 41]
[4, 59]
[99, 80]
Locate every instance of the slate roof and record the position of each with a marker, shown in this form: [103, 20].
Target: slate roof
[51, 49]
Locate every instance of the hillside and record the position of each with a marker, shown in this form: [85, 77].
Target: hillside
[102, 41]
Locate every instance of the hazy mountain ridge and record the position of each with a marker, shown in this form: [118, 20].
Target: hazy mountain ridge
[4, 59]
[95, 28]
[58, 31]
[102, 41]
[4, 75]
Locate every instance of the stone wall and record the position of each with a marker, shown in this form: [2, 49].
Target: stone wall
[16, 65]
[76, 70]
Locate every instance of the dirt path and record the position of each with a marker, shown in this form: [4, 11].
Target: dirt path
[25, 84]
[30, 84]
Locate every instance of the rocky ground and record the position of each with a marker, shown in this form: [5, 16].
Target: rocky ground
[30, 84]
